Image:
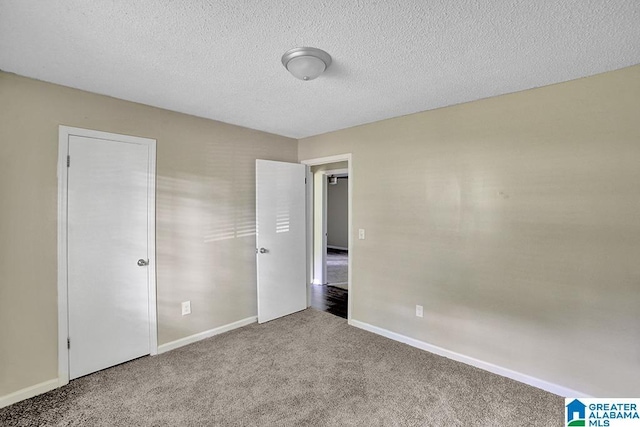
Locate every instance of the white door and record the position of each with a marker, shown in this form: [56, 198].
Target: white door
[108, 293]
[281, 238]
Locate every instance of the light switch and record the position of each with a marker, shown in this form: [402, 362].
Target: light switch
[361, 233]
[186, 308]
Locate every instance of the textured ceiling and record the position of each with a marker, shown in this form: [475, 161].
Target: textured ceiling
[221, 59]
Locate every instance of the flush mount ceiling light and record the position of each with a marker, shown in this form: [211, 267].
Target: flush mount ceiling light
[306, 63]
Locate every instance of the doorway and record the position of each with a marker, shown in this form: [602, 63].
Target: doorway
[331, 288]
[106, 250]
[336, 212]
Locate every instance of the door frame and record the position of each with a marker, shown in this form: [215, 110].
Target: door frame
[319, 251]
[323, 161]
[64, 132]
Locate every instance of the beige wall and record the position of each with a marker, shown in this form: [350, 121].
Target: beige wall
[514, 221]
[205, 189]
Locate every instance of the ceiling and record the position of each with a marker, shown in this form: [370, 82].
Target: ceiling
[221, 59]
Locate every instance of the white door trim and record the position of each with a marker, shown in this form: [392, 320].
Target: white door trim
[63, 325]
[323, 161]
[319, 256]
[309, 226]
[336, 172]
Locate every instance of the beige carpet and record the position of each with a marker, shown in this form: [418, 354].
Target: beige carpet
[307, 369]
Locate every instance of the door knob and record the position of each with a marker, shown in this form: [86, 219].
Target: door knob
[263, 251]
[143, 262]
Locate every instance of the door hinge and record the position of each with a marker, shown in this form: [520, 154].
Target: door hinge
[68, 161]
[68, 343]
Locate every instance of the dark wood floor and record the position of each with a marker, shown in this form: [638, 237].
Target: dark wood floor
[330, 299]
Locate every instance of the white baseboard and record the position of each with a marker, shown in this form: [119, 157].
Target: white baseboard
[206, 334]
[29, 392]
[337, 247]
[517, 376]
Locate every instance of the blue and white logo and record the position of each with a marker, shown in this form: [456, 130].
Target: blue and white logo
[575, 413]
[602, 412]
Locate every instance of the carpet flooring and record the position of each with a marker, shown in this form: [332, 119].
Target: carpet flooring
[338, 268]
[306, 369]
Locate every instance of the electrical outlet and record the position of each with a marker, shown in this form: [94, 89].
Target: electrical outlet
[419, 310]
[186, 308]
[361, 233]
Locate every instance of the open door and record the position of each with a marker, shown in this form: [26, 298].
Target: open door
[281, 238]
